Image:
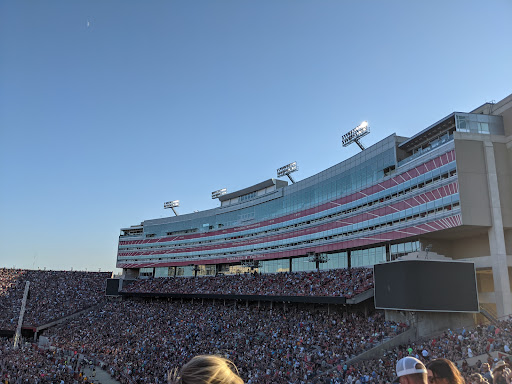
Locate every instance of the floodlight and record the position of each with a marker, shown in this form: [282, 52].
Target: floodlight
[172, 204]
[219, 193]
[253, 264]
[428, 248]
[318, 258]
[355, 134]
[287, 169]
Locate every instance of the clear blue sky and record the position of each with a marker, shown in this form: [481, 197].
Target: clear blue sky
[110, 108]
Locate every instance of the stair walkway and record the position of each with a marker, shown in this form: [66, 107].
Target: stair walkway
[99, 376]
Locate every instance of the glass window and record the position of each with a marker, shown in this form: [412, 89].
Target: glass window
[300, 264]
[274, 266]
[162, 272]
[461, 124]
[185, 271]
[146, 272]
[483, 128]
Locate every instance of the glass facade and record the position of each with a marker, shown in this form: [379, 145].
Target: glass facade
[331, 213]
[303, 264]
[335, 261]
[146, 272]
[330, 184]
[186, 271]
[402, 249]
[478, 123]
[274, 266]
[162, 272]
[367, 257]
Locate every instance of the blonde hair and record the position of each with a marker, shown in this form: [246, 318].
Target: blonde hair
[206, 369]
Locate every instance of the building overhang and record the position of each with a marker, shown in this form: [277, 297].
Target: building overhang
[429, 133]
[254, 188]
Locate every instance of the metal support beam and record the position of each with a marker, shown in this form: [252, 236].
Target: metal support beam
[17, 336]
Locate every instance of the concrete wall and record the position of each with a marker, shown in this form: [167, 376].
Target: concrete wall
[504, 108]
[460, 248]
[130, 273]
[485, 281]
[473, 246]
[508, 240]
[503, 158]
[439, 246]
[473, 186]
[429, 323]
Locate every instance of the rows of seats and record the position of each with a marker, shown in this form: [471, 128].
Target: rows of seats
[334, 283]
[52, 295]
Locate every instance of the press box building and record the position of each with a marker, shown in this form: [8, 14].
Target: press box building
[448, 186]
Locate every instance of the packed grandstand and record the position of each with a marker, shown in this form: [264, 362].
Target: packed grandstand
[53, 294]
[140, 340]
[339, 282]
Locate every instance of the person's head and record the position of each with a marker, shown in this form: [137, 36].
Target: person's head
[206, 369]
[410, 370]
[476, 378]
[498, 372]
[485, 367]
[499, 367]
[443, 371]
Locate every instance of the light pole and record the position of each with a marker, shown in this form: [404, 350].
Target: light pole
[355, 134]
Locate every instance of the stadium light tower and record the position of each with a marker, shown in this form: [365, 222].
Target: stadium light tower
[287, 169]
[172, 204]
[355, 134]
[253, 264]
[317, 258]
[218, 193]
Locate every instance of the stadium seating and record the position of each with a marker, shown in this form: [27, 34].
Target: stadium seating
[53, 294]
[332, 283]
[143, 340]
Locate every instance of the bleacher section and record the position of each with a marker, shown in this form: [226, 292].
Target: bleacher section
[145, 339]
[345, 283]
[52, 295]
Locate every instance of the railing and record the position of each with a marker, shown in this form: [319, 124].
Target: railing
[253, 298]
[433, 145]
[489, 312]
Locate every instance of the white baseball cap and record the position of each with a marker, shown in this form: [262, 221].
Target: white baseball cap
[407, 366]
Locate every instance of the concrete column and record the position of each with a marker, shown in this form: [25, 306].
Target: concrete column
[497, 238]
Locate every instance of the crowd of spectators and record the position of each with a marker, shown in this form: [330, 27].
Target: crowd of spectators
[337, 282]
[52, 294]
[457, 346]
[140, 341]
[29, 364]
[144, 340]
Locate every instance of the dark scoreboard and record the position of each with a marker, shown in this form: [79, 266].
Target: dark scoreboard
[426, 285]
[112, 287]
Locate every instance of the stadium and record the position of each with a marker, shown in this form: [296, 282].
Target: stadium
[402, 249]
